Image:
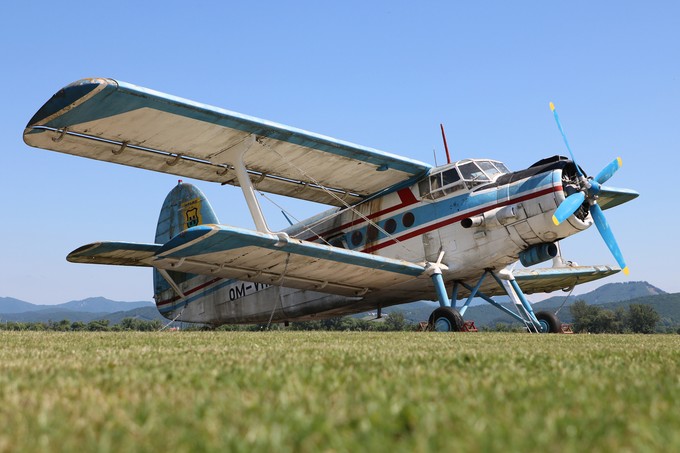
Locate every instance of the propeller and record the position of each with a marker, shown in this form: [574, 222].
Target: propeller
[588, 191]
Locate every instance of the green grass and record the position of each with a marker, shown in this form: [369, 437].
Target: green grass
[321, 391]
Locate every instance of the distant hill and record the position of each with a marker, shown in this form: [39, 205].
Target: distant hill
[143, 313]
[48, 315]
[85, 310]
[611, 292]
[103, 305]
[11, 305]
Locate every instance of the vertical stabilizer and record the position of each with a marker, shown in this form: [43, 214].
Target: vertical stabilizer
[184, 207]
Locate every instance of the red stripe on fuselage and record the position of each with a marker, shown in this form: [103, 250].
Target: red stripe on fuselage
[191, 291]
[405, 196]
[443, 223]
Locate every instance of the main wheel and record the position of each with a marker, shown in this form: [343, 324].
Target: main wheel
[446, 319]
[549, 322]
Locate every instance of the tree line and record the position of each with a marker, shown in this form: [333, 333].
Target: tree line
[638, 318]
[100, 325]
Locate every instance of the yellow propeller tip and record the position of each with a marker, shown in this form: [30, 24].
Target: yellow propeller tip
[626, 270]
[552, 107]
[555, 221]
[618, 159]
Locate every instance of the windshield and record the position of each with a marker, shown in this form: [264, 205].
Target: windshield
[471, 172]
[468, 173]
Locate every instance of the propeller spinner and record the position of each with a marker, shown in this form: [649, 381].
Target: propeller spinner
[588, 191]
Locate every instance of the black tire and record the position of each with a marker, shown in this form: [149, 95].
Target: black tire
[446, 319]
[549, 322]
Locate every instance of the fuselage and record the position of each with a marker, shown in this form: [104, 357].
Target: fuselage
[475, 212]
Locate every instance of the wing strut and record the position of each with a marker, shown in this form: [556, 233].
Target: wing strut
[238, 152]
[172, 283]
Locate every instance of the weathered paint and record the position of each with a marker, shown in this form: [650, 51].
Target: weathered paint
[381, 246]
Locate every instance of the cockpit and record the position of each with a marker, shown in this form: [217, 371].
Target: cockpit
[462, 175]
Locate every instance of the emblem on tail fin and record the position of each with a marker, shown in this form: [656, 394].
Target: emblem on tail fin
[192, 213]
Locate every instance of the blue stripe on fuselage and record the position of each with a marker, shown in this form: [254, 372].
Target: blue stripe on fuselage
[204, 293]
[428, 212]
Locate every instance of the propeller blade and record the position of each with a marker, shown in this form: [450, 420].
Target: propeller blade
[606, 233]
[564, 137]
[608, 171]
[568, 207]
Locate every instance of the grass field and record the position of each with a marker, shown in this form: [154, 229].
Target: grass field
[320, 391]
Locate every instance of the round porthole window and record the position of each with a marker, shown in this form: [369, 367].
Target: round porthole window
[408, 219]
[390, 226]
[357, 237]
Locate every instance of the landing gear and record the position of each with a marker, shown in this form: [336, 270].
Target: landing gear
[446, 319]
[548, 322]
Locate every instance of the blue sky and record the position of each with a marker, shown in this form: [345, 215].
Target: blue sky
[381, 74]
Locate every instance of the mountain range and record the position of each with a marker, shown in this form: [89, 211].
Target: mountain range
[85, 310]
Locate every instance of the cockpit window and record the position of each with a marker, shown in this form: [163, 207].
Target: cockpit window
[501, 167]
[440, 184]
[471, 172]
[450, 176]
[488, 168]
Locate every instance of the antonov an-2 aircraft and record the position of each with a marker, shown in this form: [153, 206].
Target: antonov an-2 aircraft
[398, 230]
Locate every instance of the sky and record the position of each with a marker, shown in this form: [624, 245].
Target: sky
[383, 74]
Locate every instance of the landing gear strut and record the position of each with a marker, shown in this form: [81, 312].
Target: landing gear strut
[447, 318]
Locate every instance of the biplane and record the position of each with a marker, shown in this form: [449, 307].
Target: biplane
[397, 230]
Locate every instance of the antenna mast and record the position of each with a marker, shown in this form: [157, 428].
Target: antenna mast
[446, 146]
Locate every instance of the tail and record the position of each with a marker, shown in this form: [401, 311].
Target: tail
[184, 207]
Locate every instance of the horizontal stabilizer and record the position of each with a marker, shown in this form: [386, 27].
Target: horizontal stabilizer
[115, 253]
[232, 252]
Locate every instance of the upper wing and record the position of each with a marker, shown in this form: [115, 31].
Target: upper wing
[232, 252]
[118, 122]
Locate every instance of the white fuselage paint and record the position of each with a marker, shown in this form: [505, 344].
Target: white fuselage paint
[509, 219]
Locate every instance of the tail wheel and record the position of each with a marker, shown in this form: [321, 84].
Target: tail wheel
[446, 319]
[549, 322]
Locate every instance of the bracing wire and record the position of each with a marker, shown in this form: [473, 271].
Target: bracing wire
[329, 192]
